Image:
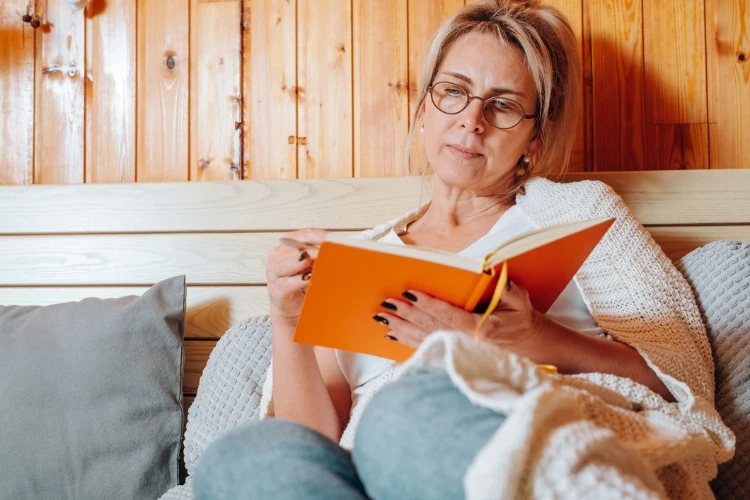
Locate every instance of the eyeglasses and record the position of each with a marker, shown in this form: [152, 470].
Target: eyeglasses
[500, 112]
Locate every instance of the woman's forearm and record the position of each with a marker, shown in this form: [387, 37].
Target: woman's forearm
[575, 352]
[299, 392]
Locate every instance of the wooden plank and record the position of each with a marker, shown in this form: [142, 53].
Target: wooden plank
[215, 90]
[270, 83]
[425, 17]
[681, 146]
[381, 100]
[679, 241]
[573, 12]
[616, 39]
[135, 259]
[196, 357]
[211, 310]
[206, 259]
[16, 95]
[59, 99]
[675, 84]
[681, 197]
[675, 61]
[110, 91]
[215, 206]
[162, 151]
[324, 75]
[728, 53]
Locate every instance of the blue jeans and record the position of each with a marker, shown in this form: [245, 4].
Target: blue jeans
[416, 439]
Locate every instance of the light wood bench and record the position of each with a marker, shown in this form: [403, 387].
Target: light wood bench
[63, 243]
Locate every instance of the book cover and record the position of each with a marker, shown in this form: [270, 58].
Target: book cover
[352, 277]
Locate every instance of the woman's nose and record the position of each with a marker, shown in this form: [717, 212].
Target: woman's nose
[472, 117]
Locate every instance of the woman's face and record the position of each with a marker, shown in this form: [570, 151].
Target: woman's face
[463, 149]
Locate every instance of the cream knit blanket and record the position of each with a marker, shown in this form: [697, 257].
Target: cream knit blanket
[589, 435]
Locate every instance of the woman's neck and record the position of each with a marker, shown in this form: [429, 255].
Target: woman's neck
[451, 208]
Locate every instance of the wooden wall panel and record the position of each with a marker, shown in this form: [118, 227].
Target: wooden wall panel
[324, 75]
[425, 17]
[270, 89]
[381, 97]
[675, 113]
[215, 96]
[110, 91]
[573, 11]
[59, 99]
[728, 39]
[16, 95]
[163, 74]
[615, 38]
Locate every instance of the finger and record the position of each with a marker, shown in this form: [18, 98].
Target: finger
[401, 330]
[514, 297]
[287, 286]
[405, 310]
[448, 316]
[285, 261]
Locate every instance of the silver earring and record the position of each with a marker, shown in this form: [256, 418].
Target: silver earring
[526, 160]
[421, 129]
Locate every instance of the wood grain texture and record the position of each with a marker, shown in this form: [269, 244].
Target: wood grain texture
[728, 51]
[675, 84]
[215, 93]
[324, 75]
[616, 44]
[680, 147]
[211, 310]
[110, 91]
[216, 206]
[59, 99]
[425, 17]
[332, 204]
[16, 95]
[207, 259]
[573, 12]
[674, 44]
[162, 150]
[196, 357]
[270, 83]
[381, 97]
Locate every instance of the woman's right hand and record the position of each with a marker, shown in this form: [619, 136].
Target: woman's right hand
[287, 273]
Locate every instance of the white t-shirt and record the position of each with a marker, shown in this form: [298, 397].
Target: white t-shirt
[569, 309]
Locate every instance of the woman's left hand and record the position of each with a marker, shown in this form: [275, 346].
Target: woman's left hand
[514, 324]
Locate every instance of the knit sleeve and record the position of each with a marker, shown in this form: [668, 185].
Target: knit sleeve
[633, 289]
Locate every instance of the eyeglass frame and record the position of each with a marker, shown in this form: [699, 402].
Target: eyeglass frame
[470, 98]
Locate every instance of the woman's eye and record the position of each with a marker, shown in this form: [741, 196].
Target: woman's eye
[501, 105]
[454, 91]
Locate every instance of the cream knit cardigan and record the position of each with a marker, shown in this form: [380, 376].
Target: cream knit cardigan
[589, 435]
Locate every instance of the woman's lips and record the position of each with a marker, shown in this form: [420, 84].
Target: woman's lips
[462, 154]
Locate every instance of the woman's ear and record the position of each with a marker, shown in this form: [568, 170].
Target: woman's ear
[533, 147]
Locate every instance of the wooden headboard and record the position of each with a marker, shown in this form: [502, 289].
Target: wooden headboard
[62, 243]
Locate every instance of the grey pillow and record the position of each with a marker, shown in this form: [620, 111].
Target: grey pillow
[719, 274]
[91, 396]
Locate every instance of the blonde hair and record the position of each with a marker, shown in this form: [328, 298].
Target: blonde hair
[549, 47]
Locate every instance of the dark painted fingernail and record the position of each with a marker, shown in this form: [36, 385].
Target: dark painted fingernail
[390, 337]
[303, 256]
[510, 284]
[410, 296]
[380, 319]
[306, 276]
[388, 305]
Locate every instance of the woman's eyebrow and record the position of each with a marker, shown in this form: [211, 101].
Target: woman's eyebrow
[494, 90]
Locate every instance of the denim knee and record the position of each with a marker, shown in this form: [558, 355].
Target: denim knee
[275, 458]
[418, 436]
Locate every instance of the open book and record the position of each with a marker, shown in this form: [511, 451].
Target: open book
[352, 277]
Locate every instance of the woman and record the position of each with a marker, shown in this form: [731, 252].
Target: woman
[498, 109]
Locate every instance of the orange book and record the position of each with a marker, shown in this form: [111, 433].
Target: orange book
[352, 277]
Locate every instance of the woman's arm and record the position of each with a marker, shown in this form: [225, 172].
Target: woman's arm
[575, 352]
[308, 389]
